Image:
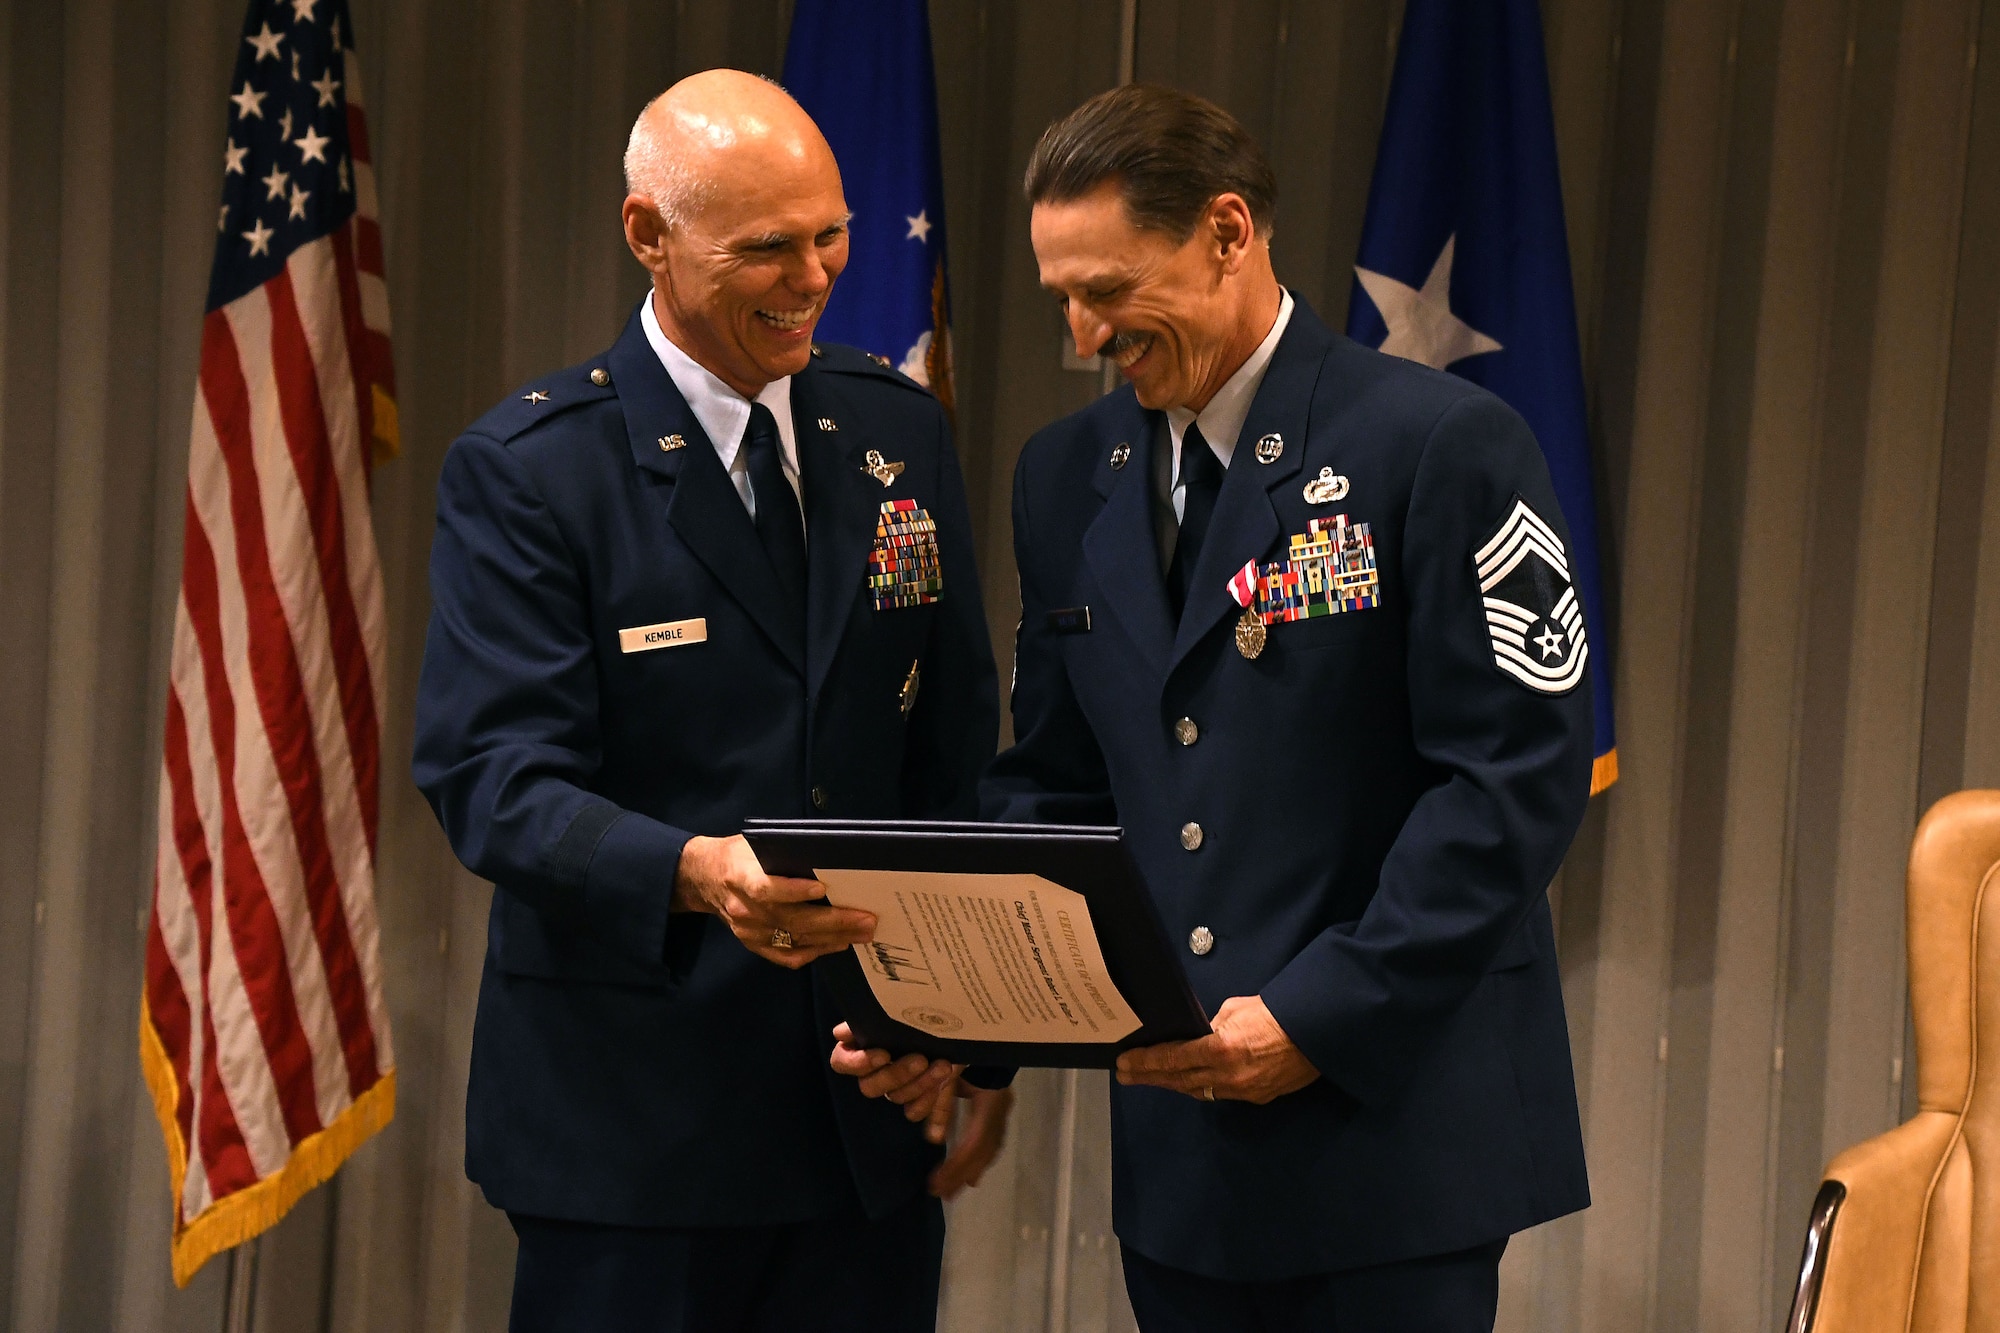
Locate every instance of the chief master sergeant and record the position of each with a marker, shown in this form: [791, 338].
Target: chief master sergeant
[1297, 615]
[717, 572]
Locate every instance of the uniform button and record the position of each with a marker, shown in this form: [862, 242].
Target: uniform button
[1191, 835]
[819, 798]
[600, 377]
[1186, 732]
[1200, 941]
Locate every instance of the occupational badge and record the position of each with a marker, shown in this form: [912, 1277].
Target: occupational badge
[1326, 488]
[1532, 613]
[903, 566]
[1120, 455]
[883, 471]
[1270, 447]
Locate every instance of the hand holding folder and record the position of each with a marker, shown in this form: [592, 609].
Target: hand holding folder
[995, 944]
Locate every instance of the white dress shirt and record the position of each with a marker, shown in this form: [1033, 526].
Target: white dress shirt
[725, 413]
[1222, 420]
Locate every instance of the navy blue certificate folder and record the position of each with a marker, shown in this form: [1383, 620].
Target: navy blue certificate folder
[1089, 860]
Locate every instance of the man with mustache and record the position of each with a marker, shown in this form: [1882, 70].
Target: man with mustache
[1293, 613]
[660, 609]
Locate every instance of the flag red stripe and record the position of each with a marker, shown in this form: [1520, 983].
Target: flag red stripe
[257, 940]
[358, 363]
[368, 244]
[281, 696]
[224, 1158]
[167, 1005]
[312, 460]
[357, 134]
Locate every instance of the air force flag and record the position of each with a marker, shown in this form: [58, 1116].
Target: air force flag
[862, 70]
[1464, 266]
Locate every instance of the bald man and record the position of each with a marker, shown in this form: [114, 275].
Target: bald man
[719, 571]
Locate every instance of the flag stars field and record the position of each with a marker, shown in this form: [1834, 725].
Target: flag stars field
[920, 226]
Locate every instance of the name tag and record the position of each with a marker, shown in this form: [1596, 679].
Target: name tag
[1070, 620]
[667, 634]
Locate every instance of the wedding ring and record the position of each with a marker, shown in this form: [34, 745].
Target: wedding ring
[781, 939]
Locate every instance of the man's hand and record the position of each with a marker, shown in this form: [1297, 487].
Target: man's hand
[721, 875]
[984, 1134]
[1247, 1058]
[929, 1090]
[920, 1085]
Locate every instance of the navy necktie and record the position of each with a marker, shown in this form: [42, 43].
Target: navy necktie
[1201, 475]
[780, 527]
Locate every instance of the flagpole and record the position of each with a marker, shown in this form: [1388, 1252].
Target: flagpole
[239, 1309]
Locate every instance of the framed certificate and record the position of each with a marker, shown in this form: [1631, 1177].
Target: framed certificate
[995, 944]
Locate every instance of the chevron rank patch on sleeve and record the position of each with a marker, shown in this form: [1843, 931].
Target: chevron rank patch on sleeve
[1532, 613]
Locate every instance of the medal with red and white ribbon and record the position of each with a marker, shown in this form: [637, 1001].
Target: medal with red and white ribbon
[1250, 626]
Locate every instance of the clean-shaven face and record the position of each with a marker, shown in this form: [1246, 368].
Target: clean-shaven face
[1154, 306]
[748, 274]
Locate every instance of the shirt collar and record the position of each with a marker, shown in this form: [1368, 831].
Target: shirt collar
[723, 413]
[1222, 420]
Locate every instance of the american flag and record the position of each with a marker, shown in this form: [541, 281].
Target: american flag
[264, 1037]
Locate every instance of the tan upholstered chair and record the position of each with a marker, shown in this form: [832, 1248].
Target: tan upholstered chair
[1905, 1234]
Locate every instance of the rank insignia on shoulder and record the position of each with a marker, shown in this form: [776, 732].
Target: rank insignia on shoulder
[1532, 613]
[1326, 488]
[880, 360]
[1120, 455]
[534, 396]
[1329, 568]
[875, 466]
[1270, 448]
[903, 565]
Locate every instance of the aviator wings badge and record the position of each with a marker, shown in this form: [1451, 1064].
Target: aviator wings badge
[885, 472]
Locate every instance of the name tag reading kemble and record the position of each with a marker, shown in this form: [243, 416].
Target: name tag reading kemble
[984, 957]
[666, 634]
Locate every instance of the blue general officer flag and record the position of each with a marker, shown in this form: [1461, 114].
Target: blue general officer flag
[862, 70]
[1464, 258]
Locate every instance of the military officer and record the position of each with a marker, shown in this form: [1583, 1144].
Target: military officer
[1331, 686]
[718, 571]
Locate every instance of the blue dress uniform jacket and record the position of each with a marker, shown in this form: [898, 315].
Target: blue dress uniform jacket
[1380, 809]
[629, 1067]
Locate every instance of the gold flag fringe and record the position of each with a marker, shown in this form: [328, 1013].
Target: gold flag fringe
[1603, 771]
[230, 1221]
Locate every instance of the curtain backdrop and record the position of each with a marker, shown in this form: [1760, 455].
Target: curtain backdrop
[1785, 225]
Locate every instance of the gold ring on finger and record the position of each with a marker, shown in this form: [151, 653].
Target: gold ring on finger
[782, 939]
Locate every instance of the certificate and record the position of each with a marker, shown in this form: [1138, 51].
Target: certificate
[1002, 944]
[986, 957]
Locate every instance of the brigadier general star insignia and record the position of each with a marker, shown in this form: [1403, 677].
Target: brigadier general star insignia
[1532, 614]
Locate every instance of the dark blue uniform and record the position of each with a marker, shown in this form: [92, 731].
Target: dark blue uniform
[630, 1067]
[1361, 820]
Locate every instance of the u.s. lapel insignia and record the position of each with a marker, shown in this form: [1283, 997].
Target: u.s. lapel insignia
[908, 699]
[826, 423]
[669, 443]
[1120, 455]
[1270, 447]
[1326, 488]
[877, 467]
[1532, 614]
